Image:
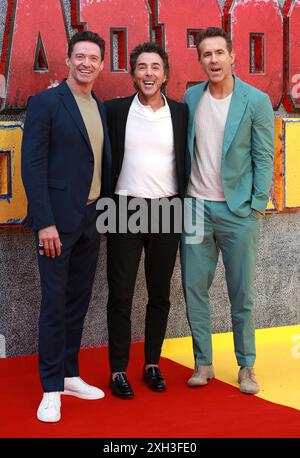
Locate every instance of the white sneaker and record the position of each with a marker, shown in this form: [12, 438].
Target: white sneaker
[75, 386]
[49, 408]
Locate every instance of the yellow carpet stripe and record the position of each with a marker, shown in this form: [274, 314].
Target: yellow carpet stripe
[277, 366]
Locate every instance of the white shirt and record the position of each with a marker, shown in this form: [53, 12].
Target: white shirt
[210, 119]
[148, 168]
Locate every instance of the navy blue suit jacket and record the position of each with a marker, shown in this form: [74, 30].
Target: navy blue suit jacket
[58, 161]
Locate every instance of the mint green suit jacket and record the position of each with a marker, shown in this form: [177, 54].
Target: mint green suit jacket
[248, 146]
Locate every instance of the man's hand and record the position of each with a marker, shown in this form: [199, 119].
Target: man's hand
[258, 214]
[49, 242]
[53, 83]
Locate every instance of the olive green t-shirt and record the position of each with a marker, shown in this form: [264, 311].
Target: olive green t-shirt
[89, 111]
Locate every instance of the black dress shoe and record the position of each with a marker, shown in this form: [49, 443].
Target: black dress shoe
[120, 386]
[154, 379]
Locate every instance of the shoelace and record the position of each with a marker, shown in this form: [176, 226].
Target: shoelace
[154, 372]
[121, 377]
[250, 373]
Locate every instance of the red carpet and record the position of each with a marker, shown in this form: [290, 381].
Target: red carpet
[218, 410]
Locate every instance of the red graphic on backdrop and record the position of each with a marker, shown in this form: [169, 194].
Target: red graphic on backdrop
[265, 37]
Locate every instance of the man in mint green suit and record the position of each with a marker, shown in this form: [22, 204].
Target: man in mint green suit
[231, 132]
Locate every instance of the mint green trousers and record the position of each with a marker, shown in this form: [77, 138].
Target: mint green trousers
[237, 239]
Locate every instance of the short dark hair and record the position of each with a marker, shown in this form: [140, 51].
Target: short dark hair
[86, 35]
[150, 46]
[213, 32]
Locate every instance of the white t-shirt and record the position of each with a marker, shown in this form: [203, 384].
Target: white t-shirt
[210, 119]
[149, 168]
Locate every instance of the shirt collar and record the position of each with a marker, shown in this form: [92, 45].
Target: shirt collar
[143, 107]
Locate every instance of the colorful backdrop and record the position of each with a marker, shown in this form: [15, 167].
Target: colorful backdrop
[33, 44]
[266, 38]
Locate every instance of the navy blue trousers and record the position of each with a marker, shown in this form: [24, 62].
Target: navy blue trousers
[66, 284]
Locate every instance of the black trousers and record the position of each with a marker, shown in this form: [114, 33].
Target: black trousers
[123, 258]
[66, 283]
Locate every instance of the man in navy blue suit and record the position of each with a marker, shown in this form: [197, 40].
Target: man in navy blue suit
[65, 169]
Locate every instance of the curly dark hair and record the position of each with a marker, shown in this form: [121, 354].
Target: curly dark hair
[150, 46]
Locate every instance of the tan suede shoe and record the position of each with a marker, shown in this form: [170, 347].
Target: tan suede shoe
[247, 381]
[201, 376]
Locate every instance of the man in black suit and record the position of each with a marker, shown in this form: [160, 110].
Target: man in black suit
[65, 164]
[148, 139]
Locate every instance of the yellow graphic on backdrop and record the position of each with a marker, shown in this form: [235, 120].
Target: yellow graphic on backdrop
[13, 203]
[285, 193]
[292, 162]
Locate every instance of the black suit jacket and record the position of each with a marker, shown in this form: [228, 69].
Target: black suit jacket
[58, 161]
[117, 112]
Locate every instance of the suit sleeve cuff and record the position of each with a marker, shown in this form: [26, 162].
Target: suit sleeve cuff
[259, 205]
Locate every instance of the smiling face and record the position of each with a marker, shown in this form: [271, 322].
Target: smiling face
[84, 64]
[149, 75]
[215, 59]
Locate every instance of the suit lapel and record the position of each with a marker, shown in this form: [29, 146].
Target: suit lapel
[106, 141]
[236, 110]
[72, 108]
[177, 132]
[193, 104]
[176, 122]
[196, 99]
[122, 115]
